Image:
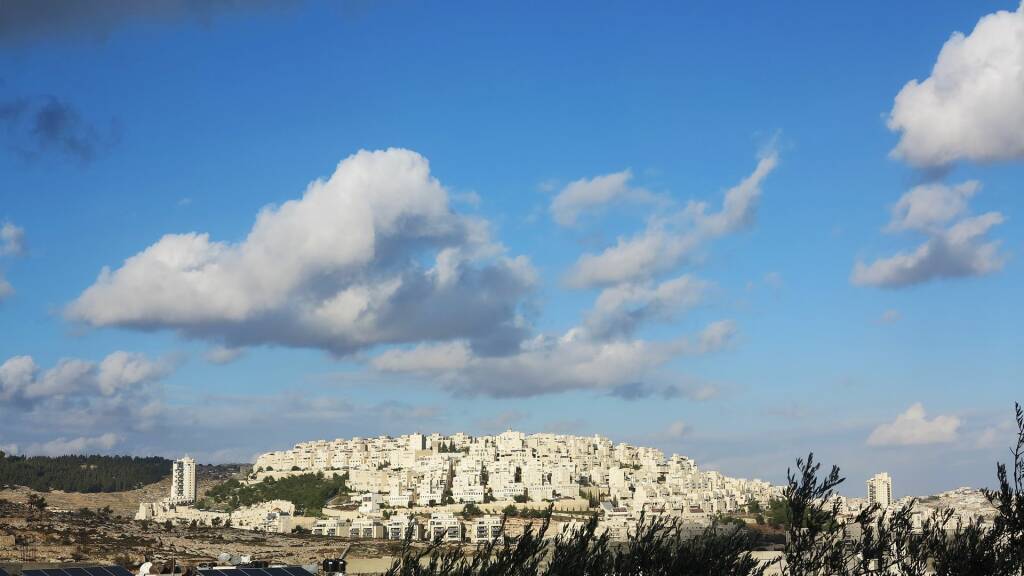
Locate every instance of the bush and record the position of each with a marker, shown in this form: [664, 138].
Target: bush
[471, 510]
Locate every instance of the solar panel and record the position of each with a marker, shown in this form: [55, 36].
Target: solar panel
[3, 572]
[47, 572]
[109, 571]
[275, 571]
[79, 572]
[75, 571]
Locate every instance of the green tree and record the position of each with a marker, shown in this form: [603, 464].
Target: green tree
[36, 501]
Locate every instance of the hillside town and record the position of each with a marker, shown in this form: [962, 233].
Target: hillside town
[458, 488]
[397, 481]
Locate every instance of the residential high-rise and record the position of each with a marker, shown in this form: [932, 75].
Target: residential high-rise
[183, 481]
[880, 490]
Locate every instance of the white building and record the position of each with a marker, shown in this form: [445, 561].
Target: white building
[485, 529]
[183, 481]
[276, 516]
[880, 490]
[404, 527]
[366, 528]
[332, 527]
[444, 526]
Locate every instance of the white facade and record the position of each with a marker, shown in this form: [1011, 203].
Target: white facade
[404, 527]
[880, 490]
[485, 529]
[444, 526]
[338, 527]
[183, 481]
[371, 528]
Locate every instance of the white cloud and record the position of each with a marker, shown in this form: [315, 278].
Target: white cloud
[425, 358]
[21, 379]
[972, 105]
[12, 243]
[585, 193]
[620, 308]
[69, 376]
[669, 240]
[372, 255]
[16, 375]
[79, 402]
[927, 206]
[12, 239]
[122, 370]
[547, 364]
[223, 354]
[914, 428]
[79, 445]
[952, 250]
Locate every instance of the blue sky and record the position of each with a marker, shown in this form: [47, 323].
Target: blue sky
[753, 344]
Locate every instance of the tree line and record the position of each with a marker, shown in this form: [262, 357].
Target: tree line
[82, 473]
[819, 541]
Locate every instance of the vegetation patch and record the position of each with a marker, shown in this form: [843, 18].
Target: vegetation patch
[309, 492]
[82, 473]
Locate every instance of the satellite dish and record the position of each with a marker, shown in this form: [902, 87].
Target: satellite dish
[145, 568]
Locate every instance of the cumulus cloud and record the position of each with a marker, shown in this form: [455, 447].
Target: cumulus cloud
[620, 309]
[372, 255]
[44, 124]
[957, 244]
[928, 206]
[78, 401]
[22, 380]
[972, 105]
[914, 428]
[122, 370]
[672, 239]
[584, 194]
[547, 364]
